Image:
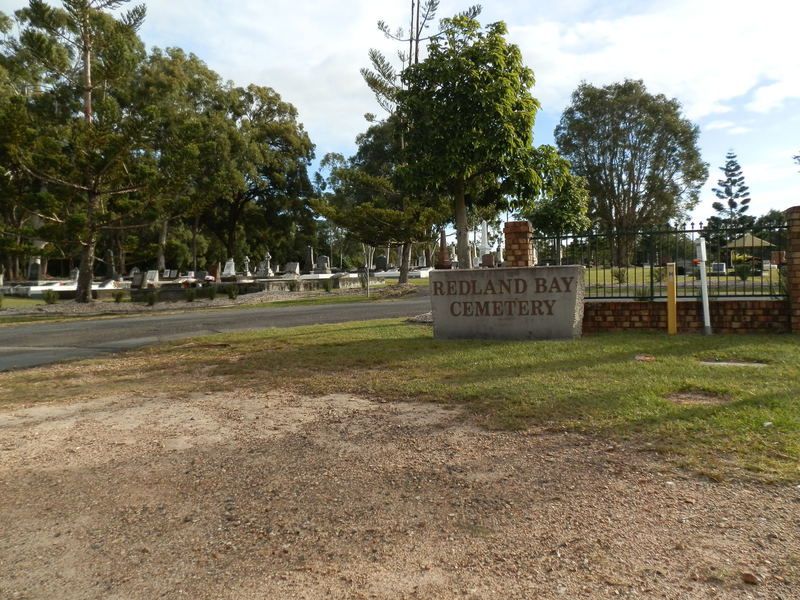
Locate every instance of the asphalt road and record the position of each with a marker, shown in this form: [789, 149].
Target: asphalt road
[32, 345]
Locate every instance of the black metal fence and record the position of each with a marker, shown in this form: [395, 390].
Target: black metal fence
[632, 264]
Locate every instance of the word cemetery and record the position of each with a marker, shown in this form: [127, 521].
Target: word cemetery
[516, 303]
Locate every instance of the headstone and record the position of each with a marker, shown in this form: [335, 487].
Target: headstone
[484, 238]
[74, 274]
[381, 263]
[719, 268]
[201, 275]
[323, 265]
[488, 261]
[214, 271]
[309, 266]
[230, 269]
[150, 279]
[246, 272]
[520, 303]
[421, 260]
[34, 270]
[135, 271]
[264, 267]
[138, 280]
[292, 269]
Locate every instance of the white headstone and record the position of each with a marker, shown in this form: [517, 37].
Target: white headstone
[230, 269]
[150, 278]
[292, 269]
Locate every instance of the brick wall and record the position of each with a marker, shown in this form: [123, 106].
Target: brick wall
[793, 266]
[519, 246]
[727, 316]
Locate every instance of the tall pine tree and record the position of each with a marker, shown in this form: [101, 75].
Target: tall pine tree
[735, 195]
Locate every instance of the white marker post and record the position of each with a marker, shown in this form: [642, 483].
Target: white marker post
[700, 248]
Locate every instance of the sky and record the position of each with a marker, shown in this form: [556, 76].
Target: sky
[734, 66]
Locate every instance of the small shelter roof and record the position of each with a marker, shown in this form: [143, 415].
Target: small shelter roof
[748, 240]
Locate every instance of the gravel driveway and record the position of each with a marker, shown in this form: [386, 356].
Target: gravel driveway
[270, 495]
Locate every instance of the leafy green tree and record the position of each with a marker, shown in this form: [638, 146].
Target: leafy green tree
[363, 196]
[386, 82]
[639, 155]
[734, 193]
[261, 158]
[470, 116]
[82, 134]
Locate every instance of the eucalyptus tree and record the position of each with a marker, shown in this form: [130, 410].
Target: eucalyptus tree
[640, 156]
[83, 135]
[363, 196]
[260, 158]
[179, 94]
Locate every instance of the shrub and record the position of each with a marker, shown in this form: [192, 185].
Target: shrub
[152, 297]
[50, 297]
[743, 271]
[619, 274]
[212, 292]
[660, 274]
[327, 285]
[294, 286]
[191, 294]
[118, 296]
[1, 300]
[232, 292]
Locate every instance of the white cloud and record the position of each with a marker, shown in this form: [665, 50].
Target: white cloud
[714, 125]
[707, 54]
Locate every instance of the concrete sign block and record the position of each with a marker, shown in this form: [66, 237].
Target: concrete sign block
[526, 303]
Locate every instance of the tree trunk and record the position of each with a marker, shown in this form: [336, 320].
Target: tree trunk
[121, 254]
[405, 262]
[195, 226]
[162, 245]
[462, 229]
[86, 268]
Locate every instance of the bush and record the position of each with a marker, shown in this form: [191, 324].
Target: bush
[118, 296]
[191, 294]
[50, 297]
[743, 271]
[660, 274]
[232, 292]
[619, 274]
[212, 292]
[1, 300]
[294, 286]
[152, 297]
[327, 285]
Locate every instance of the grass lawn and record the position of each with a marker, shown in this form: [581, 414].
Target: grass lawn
[592, 385]
[14, 302]
[599, 280]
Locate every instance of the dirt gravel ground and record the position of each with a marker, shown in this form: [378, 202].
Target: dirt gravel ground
[270, 495]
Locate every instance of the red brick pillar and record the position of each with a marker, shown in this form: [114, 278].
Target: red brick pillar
[519, 244]
[793, 267]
